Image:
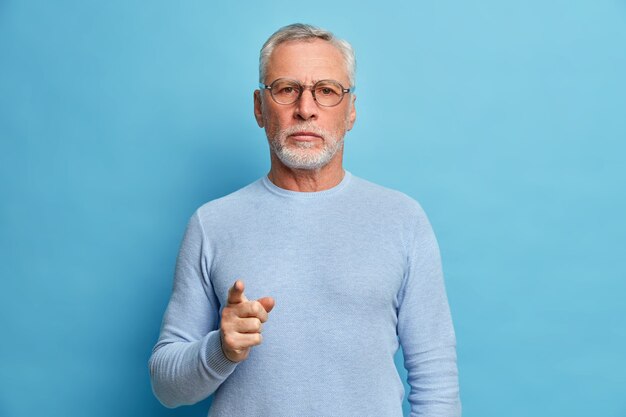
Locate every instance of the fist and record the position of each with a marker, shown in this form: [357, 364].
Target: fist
[242, 322]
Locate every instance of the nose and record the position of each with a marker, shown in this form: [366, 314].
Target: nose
[306, 107]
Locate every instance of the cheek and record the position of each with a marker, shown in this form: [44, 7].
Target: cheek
[272, 125]
[343, 121]
[274, 120]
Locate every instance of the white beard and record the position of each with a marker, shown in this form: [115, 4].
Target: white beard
[301, 155]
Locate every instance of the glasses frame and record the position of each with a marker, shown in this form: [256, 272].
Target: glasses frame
[303, 87]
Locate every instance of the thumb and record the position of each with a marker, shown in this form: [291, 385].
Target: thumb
[267, 303]
[235, 293]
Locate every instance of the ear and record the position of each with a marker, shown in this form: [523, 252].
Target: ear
[352, 115]
[258, 108]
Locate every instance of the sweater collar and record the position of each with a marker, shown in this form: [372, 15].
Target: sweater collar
[310, 194]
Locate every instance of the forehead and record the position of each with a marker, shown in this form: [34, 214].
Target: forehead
[307, 61]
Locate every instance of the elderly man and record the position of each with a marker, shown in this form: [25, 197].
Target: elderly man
[348, 270]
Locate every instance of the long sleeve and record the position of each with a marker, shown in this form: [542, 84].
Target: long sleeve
[425, 330]
[354, 270]
[187, 363]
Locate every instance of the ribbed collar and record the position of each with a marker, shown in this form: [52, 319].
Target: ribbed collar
[307, 195]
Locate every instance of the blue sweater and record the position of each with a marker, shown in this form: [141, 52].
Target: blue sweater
[355, 271]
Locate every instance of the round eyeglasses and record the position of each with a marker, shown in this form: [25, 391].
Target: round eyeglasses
[327, 93]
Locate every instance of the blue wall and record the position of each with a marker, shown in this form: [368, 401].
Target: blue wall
[506, 120]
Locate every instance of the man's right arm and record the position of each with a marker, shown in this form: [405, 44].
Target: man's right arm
[188, 363]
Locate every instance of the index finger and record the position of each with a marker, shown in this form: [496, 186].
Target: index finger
[235, 293]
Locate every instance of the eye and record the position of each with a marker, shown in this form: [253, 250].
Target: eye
[327, 89]
[285, 89]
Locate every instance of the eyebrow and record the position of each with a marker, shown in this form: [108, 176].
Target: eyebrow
[315, 81]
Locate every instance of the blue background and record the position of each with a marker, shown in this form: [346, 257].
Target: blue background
[505, 119]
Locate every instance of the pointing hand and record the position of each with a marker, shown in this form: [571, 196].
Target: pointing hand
[242, 322]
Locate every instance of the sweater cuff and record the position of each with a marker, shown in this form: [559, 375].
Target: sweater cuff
[215, 360]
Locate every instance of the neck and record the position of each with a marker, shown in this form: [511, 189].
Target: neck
[306, 180]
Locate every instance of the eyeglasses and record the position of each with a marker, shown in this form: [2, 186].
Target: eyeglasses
[327, 93]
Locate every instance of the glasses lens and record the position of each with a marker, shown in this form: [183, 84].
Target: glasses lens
[328, 93]
[285, 91]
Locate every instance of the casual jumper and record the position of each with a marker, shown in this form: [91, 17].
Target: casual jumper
[355, 272]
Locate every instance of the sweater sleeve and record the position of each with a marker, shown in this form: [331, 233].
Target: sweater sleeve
[425, 330]
[187, 363]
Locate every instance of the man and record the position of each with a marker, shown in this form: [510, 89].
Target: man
[348, 270]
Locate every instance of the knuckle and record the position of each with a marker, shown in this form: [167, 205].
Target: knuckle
[227, 323]
[258, 308]
[229, 340]
[228, 312]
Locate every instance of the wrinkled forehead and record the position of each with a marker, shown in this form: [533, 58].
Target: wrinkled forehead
[307, 61]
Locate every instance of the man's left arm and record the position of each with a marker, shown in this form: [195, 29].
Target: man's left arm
[425, 329]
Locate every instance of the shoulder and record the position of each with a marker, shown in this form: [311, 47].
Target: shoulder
[387, 199]
[389, 211]
[235, 202]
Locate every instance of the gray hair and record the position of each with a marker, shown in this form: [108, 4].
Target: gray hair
[303, 32]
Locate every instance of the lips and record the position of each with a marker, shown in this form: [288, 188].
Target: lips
[305, 135]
